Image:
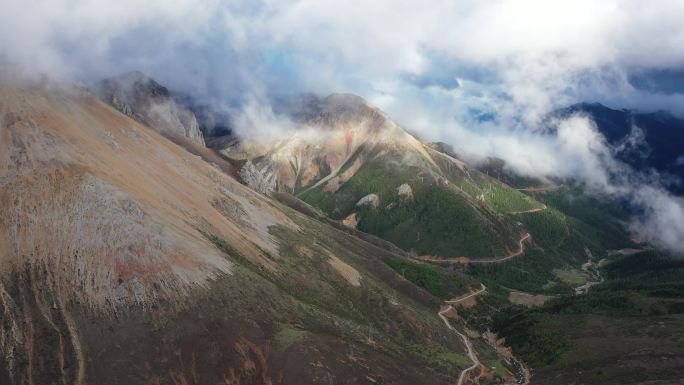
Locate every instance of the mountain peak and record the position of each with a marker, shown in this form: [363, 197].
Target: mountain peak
[144, 99]
[133, 76]
[346, 100]
[348, 103]
[130, 85]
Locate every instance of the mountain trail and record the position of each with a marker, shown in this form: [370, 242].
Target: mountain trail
[535, 210]
[464, 260]
[466, 342]
[540, 188]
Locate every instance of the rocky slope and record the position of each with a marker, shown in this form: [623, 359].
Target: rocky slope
[126, 259]
[142, 98]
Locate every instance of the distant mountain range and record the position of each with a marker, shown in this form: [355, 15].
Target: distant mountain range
[642, 140]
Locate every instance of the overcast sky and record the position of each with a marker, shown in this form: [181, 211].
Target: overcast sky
[533, 54]
[477, 74]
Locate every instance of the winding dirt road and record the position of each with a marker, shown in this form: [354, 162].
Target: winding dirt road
[463, 260]
[466, 340]
[454, 301]
[536, 210]
[523, 374]
[521, 250]
[540, 188]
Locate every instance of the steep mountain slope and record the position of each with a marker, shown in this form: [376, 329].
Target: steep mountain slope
[146, 101]
[126, 259]
[351, 160]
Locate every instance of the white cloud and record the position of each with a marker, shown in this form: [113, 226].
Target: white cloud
[662, 221]
[257, 121]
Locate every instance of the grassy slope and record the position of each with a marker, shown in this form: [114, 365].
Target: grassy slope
[440, 220]
[498, 196]
[469, 215]
[550, 338]
[571, 222]
[625, 330]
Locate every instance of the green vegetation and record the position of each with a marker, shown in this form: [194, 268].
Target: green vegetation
[530, 273]
[603, 218]
[548, 227]
[305, 299]
[439, 220]
[551, 265]
[572, 277]
[439, 354]
[496, 168]
[376, 177]
[439, 282]
[498, 196]
[507, 200]
[499, 369]
[537, 344]
[287, 336]
[436, 222]
[642, 285]
[651, 273]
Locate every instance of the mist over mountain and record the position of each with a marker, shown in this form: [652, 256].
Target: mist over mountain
[321, 192]
[141, 97]
[644, 140]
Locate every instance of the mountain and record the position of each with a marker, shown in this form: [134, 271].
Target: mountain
[134, 257]
[127, 259]
[356, 166]
[142, 98]
[642, 140]
[349, 159]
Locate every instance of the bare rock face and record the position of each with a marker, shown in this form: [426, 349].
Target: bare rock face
[260, 180]
[150, 103]
[405, 191]
[351, 221]
[371, 199]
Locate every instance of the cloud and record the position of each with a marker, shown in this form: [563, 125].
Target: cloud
[539, 54]
[662, 218]
[257, 121]
[480, 75]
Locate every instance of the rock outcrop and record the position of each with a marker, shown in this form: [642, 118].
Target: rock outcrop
[405, 192]
[260, 180]
[372, 200]
[143, 99]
